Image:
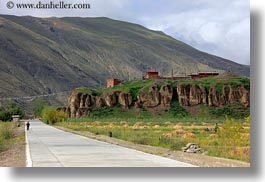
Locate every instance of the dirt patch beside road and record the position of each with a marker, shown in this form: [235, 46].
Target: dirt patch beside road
[195, 159]
[15, 156]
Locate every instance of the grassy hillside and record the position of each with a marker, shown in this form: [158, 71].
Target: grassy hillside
[59, 54]
[217, 81]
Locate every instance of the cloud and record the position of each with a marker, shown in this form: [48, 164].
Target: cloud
[217, 27]
[221, 28]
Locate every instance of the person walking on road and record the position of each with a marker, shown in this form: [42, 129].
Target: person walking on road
[27, 124]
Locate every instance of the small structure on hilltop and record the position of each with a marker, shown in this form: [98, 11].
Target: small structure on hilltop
[113, 82]
[176, 78]
[155, 75]
[203, 75]
[152, 75]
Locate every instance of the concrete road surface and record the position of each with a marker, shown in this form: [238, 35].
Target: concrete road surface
[50, 147]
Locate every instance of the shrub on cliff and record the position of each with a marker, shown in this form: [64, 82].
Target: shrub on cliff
[177, 111]
[235, 110]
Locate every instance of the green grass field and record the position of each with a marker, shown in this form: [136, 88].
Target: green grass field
[232, 140]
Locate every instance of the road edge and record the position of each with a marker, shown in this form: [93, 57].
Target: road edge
[28, 154]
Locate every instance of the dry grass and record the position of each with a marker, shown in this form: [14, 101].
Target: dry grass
[224, 143]
[12, 145]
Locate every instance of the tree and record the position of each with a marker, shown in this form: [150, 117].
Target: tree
[51, 116]
[38, 105]
[9, 109]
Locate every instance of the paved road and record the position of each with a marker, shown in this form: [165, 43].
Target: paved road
[50, 147]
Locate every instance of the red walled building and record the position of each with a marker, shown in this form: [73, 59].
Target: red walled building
[113, 82]
[203, 75]
[152, 75]
[176, 78]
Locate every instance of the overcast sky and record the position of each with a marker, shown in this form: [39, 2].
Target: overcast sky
[220, 27]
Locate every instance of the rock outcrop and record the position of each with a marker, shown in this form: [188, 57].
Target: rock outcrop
[111, 98]
[80, 104]
[74, 103]
[191, 95]
[151, 98]
[204, 94]
[195, 97]
[166, 93]
[183, 91]
[99, 102]
[192, 148]
[229, 95]
[213, 97]
[125, 100]
[245, 96]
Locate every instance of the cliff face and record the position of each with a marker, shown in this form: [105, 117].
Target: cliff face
[80, 104]
[190, 95]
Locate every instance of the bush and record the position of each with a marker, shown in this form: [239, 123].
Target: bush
[7, 131]
[236, 110]
[60, 116]
[177, 111]
[51, 115]
[135, 92]
[7, 110]
[101, 112]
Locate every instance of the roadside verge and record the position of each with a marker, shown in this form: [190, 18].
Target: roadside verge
[195, 159]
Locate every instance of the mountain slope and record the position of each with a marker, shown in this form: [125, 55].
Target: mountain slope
[59, 54]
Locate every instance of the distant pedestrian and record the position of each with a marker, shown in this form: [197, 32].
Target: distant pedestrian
[27, 124]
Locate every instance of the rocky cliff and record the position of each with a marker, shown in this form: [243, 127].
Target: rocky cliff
[80, 104]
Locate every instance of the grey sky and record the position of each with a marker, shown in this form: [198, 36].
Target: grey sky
[218, 27]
